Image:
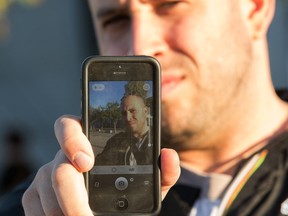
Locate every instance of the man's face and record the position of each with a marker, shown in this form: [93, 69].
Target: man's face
[134, 113]
[204, 50]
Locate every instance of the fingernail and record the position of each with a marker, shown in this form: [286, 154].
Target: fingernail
[82, 160]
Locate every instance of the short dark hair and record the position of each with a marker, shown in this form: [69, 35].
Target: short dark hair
[137, 95]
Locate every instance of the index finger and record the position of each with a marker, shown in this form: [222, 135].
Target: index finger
[74, 143]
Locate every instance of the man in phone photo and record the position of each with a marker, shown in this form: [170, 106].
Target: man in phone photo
[134, 145]
[220, 113]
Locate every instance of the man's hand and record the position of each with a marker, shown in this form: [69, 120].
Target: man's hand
[59, 188]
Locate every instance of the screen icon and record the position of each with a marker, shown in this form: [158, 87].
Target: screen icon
[146, 87]
[98, 87]
[121, 183]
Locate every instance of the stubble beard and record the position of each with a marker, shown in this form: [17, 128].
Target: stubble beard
[175, 135]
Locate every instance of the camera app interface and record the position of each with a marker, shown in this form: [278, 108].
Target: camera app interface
[121, 134]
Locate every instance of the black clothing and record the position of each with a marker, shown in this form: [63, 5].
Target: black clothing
[262, 194]
[120, 147]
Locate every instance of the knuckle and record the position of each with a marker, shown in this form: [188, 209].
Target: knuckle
[27, 197]
[43, 173]
[59, 174]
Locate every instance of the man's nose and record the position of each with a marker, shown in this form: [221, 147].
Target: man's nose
[148, 35]
[128, 116]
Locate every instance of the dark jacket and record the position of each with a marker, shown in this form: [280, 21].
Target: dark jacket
[120, 146]
[262, 194]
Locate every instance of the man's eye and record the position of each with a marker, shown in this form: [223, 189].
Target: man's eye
[115, 20]
[132, 111]
[167, 6]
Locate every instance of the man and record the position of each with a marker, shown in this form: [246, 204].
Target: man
[132, 147]
[220, 111]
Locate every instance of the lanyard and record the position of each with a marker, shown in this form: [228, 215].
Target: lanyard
[241, 179]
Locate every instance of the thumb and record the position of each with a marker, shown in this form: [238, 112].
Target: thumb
[170, 169]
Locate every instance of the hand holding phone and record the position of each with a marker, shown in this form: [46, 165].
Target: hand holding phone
[121, 118]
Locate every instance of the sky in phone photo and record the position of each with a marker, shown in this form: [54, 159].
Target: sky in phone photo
[103, 92]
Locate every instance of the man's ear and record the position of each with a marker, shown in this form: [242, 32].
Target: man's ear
[259, 14]
[146, 110]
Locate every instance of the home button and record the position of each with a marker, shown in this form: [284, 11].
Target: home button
[121, 203]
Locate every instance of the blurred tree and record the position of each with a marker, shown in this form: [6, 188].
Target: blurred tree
[114, 113]
[4, 8]
[98, 117]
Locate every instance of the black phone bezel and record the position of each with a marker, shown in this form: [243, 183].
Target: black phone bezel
[113, 63]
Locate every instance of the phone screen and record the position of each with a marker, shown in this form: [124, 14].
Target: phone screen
[123, 129]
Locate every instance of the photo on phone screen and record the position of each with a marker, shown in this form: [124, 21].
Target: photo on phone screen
[123, 126]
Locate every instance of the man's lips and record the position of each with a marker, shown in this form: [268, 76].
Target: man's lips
[130, 123]
[169, 83]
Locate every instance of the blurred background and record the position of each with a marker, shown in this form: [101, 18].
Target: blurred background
[42, 46]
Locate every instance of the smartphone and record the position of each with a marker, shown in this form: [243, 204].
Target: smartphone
[121, 118]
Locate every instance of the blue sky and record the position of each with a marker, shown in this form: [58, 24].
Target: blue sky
[103, 92]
